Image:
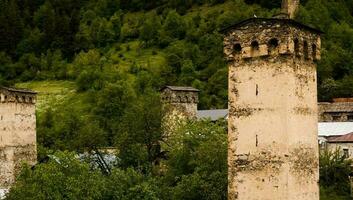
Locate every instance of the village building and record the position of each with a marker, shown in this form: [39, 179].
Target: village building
[339, 110]
[343, 143]
[17, 133]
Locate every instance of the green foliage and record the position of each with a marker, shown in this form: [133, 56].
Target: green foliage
[201, 146]
[141, 128]
[64, 177]
[335, 170]
[198, 161]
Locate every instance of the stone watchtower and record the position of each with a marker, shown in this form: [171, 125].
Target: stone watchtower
[17, 132]
[273, 148]
[181, 100]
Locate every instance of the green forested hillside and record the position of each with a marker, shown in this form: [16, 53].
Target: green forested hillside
[98, 65]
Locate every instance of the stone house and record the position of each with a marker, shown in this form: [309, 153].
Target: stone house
[339, 110]
[344, 143]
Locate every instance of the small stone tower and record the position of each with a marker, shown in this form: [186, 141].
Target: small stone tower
[181, 100]
[17, 132]
[273, 147]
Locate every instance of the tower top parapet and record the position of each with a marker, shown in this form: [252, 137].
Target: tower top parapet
[178, 94]
[17, 95]
[271, 37]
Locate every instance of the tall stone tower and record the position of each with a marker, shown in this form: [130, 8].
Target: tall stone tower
[273, 147]
[179, 103]
[17, 132]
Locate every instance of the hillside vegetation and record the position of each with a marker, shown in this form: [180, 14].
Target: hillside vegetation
[98, 66]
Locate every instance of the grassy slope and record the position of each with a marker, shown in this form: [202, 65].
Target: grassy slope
[49, 92]
[52, 93]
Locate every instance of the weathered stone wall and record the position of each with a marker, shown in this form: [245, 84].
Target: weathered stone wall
[178, 106]
[341, 146]
[335, 112]
[273, 149]
[184, 102]
[17, 133]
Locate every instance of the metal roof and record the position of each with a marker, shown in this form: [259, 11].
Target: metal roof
[335, 128]
[342, 139]
[181, 88]
[289, 21]
[212, 114]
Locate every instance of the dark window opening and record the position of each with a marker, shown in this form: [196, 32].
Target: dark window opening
[314, 49]
[346, 153]
[273, 43]
[296, 47]
[350, 118]
[255, 45]
[237, 48]
[336, 118]
[306, 50]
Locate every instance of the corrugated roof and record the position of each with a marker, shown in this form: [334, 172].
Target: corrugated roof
[344, 138]
[289, 21]
[212, 114]
[335, 128]
[18, 90]
[181, 88]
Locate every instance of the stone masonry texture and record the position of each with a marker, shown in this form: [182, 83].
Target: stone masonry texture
[273, 148]
[17, 133]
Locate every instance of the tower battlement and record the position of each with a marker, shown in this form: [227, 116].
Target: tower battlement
[270, 38]
[8, 95]
[181, 101]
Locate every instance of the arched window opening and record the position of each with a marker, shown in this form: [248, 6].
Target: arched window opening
[296, 47]
[255, 46]
[273, 45]
[314, 49]
[237, 48]
[306, 50]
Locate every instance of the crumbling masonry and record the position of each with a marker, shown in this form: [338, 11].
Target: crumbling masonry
[17, 132]
[179, 104]
[273, 148]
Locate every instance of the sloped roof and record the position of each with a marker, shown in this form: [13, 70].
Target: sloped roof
[344, 138]
[259, 20]
[181, 88]
[212, 114]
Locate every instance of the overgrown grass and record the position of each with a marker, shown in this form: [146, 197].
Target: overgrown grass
[50, 93]
[127, 54]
